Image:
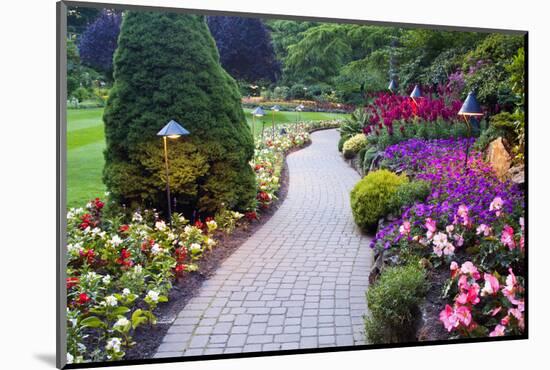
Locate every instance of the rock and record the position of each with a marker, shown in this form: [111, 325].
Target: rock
[517, 174]
[499, 157]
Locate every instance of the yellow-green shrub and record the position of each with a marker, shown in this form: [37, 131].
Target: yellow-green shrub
[354, 144]
[372, 196]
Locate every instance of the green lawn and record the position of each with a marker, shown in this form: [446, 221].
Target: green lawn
[86, 142]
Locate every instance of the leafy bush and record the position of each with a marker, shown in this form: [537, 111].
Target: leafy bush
[372, 196]
[81, 94]
[354, 125]
[353, 145]
[409, 193]
[370, 154]
[393, 302]
[155, 83]
[341, 143]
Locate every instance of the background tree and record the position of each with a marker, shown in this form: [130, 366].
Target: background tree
[78, 18]
[99, 41]
[167, 67]
[245, 48]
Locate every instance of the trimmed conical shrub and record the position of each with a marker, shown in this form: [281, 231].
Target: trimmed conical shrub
[167, 67]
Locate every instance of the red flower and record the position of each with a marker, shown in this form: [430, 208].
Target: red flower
[124, 259]
[199, 224]
[88, 254]
[251, 215]
[82, 299]
[180, 269]
[72, 281]
[98, 203]
[123, 228]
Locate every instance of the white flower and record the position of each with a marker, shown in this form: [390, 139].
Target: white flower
[156, 249]
[160, 225]
[122, 322]
[113, 344]
[116, 240]
[137, 217]
[106, 279]
[153, 296]
[126, 292]
[440, 239]
[188, 229]
[138, 269]
[74, 248]
[70, 358]
[212, 224]
[96, 230]
[91, 276]
[111, 301]
[450, 228]
[195, 247]
[210, 242]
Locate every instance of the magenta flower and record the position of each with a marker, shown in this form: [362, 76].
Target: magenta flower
[507, 237]
[491, 286]
[498, 331]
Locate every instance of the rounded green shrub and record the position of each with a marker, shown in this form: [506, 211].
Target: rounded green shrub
[393, 303]
[372, 196]
[341, 143]
[167, 67]
[409, 193]
[353, 145]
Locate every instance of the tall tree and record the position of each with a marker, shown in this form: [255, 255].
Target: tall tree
[245, 48]
[167, 67]
[99, 41]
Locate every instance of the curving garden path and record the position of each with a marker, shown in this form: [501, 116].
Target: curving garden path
[298, 282]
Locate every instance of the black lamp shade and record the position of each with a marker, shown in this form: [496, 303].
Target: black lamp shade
[393, 85]
[276, 108]
[416, 93]
[258, 112]
[470, 107]
[172, 128]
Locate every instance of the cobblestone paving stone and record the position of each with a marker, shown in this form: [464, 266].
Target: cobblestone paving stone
[298, 282]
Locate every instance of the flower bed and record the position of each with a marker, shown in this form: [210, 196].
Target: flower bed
[118, 272]
[470, 216]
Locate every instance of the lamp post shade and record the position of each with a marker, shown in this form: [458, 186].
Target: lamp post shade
[392, 86]
[258, 112]
[416, 93]
[276, 108]
[173, 129]
[470, 107]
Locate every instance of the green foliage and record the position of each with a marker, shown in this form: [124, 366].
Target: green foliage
[354, 124]
[409, 193]
[393, 302]
[371, 198]
[487, 69]
[167, 67]
[353, 145]
[370, 154]
[318, 56]
[341, 143]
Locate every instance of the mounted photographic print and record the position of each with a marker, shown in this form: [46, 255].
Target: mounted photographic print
[257, 184]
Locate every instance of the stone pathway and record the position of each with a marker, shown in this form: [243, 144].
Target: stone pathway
[298, 282]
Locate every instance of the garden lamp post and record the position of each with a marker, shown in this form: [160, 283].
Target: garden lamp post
[172, 130]
[258, 112]
[416, 94]
[298, 109]
[274, 109]
[392, 86]
[470, 109]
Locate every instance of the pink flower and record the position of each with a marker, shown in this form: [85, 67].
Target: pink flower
[469, 296]
[464, 315]
[495, 311]
[463, 282]
[405, 229]
[496, 205]
[483, 229]
[515, 312]
[454, 269]
[430, 225]
[448, 249]
[450, 228]
[511, 289]
[459, 240]
[449, 318]
[469, 268]
[491, 286]
[498, 331]
[438, 250]
[507, 237]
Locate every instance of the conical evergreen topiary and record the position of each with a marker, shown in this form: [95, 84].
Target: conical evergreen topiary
[167, 67]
